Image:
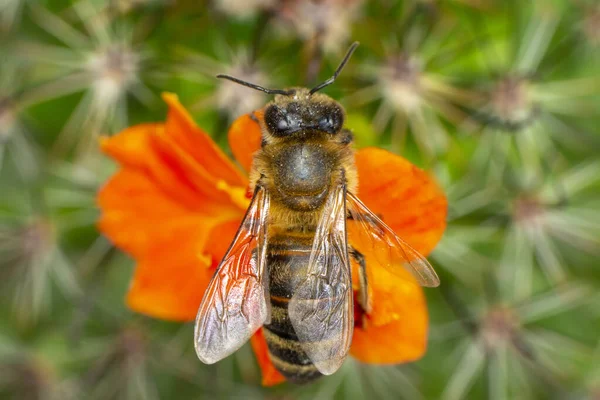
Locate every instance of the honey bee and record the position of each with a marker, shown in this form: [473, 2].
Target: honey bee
[288, 268]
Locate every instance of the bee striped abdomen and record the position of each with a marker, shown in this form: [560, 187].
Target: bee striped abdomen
[288, 255]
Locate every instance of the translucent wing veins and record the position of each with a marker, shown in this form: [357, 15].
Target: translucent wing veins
[389, 249]
[234, 305]
[321, 309]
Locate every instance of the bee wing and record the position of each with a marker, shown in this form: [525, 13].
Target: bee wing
[389, 249]
[321, 309]
[234, 305]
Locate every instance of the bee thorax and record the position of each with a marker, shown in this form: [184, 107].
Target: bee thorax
[302, 175]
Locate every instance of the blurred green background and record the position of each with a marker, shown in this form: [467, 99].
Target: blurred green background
[499, 99]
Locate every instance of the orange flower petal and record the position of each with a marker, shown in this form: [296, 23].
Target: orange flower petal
[175, 247]
[270, 375]
[220, 239]
[181, 173]
[186, 134]
[170, 280]
[413, 205]
[407, 198]
[396, 329]
[245, 138]
[172, 206]
[134, 211]
[131, 146]
[150, 149]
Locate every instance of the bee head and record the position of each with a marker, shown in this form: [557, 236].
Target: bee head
[301, 110]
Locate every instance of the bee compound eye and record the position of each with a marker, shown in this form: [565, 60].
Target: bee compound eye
[277, 120]
[332, 122]
[282, 124]
[326, 123]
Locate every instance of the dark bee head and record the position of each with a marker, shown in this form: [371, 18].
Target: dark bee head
[300, 110]
[303, 113]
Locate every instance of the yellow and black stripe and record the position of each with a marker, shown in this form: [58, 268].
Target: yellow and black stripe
[288, 254]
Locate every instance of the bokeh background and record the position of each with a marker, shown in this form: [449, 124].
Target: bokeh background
[499, 99]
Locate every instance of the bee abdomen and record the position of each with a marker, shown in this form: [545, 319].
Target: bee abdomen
[288, 357]
[287, 258]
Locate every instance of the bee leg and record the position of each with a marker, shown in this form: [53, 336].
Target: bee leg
[363, 285]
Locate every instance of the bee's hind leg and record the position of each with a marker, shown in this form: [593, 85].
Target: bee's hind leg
[363, 284]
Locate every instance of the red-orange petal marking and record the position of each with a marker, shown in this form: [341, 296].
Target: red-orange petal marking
[171, 206]
[170, 280]
[270, 375]
[186, 134]
[244, 138]
[134, 211]
[220, 239]
[407, 198]
[396, 329]
[168, 242]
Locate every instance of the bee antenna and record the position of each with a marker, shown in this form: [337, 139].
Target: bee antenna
[338, 70]
[256, 87]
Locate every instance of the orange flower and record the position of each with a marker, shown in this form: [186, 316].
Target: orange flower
[177, 201]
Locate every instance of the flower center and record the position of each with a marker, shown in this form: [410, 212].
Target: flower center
[400, 81]
[528, 211]
[36, 237]
[511, 103]
[329, 21]
[236, 194]
[591, 26]
[113, 70]
[499, 327]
